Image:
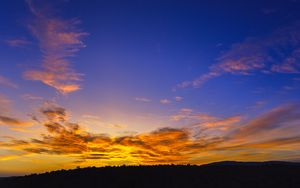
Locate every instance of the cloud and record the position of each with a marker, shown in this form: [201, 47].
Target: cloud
[167, 145]
[54, 113]
[67, 138]
[258, 104]
[267, 144]
[278, 52]
[9, 121]
[59, 40]
[18, 42]
[290, 64]
[165, 101]
[202, 123]
[280, 117]
[178, 98]
[6, 82]
[4, 103]
[142, 99]
[31, 97]
[189, 114]
[229, 121]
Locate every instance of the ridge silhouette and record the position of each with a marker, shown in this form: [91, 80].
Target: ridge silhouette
[229, 174]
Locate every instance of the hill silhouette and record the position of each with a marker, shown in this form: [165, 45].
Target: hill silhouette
[222, 174]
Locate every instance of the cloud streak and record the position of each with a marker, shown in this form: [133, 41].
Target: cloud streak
[277, 53]
[283, 116]
[4, 103]
[9, 121]
[59, 40]
[142, 99]
[18, 42]
[6, 82]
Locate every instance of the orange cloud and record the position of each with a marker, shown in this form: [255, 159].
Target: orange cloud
[283, 117]
[59, 40]
[167, 145]
[6, 119]
[223, 122]
[205, 120]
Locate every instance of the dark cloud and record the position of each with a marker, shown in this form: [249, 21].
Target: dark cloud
[54, 113]
[10, 121]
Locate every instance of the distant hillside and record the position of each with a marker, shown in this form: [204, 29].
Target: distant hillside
[222, 174]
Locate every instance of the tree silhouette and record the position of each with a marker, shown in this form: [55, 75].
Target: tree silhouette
[224, 174]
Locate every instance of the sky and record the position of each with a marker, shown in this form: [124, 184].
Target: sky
[96, 83]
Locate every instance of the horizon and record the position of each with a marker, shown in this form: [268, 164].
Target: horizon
[161, 165]
[147, 82]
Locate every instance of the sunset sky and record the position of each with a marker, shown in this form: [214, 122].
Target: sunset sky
[95, 83]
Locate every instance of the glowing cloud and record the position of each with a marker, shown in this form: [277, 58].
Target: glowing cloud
[59, 40]
[165, 145]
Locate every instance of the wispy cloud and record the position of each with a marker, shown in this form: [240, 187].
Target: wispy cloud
[4, 103]
[178, 98]
[18, 42]
[142, 99]
[10, 121]
[59, 39]
[258, 104]
[224, 123]
[285, 116]
[6, 82]
[277, 53]
[205, 121]
[165, 101]
[31, 97]
[189, 114]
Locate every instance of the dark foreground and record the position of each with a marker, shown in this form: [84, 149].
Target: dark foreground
[224, 174]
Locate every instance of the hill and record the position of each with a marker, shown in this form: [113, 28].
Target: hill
[222, 174]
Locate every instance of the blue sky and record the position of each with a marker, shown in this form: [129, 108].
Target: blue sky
[123, 68]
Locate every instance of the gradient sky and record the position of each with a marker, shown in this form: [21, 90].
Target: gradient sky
[94, 83]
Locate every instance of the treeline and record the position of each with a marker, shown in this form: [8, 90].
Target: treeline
[225, 174]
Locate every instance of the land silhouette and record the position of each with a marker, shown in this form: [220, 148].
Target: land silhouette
[221, 174]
